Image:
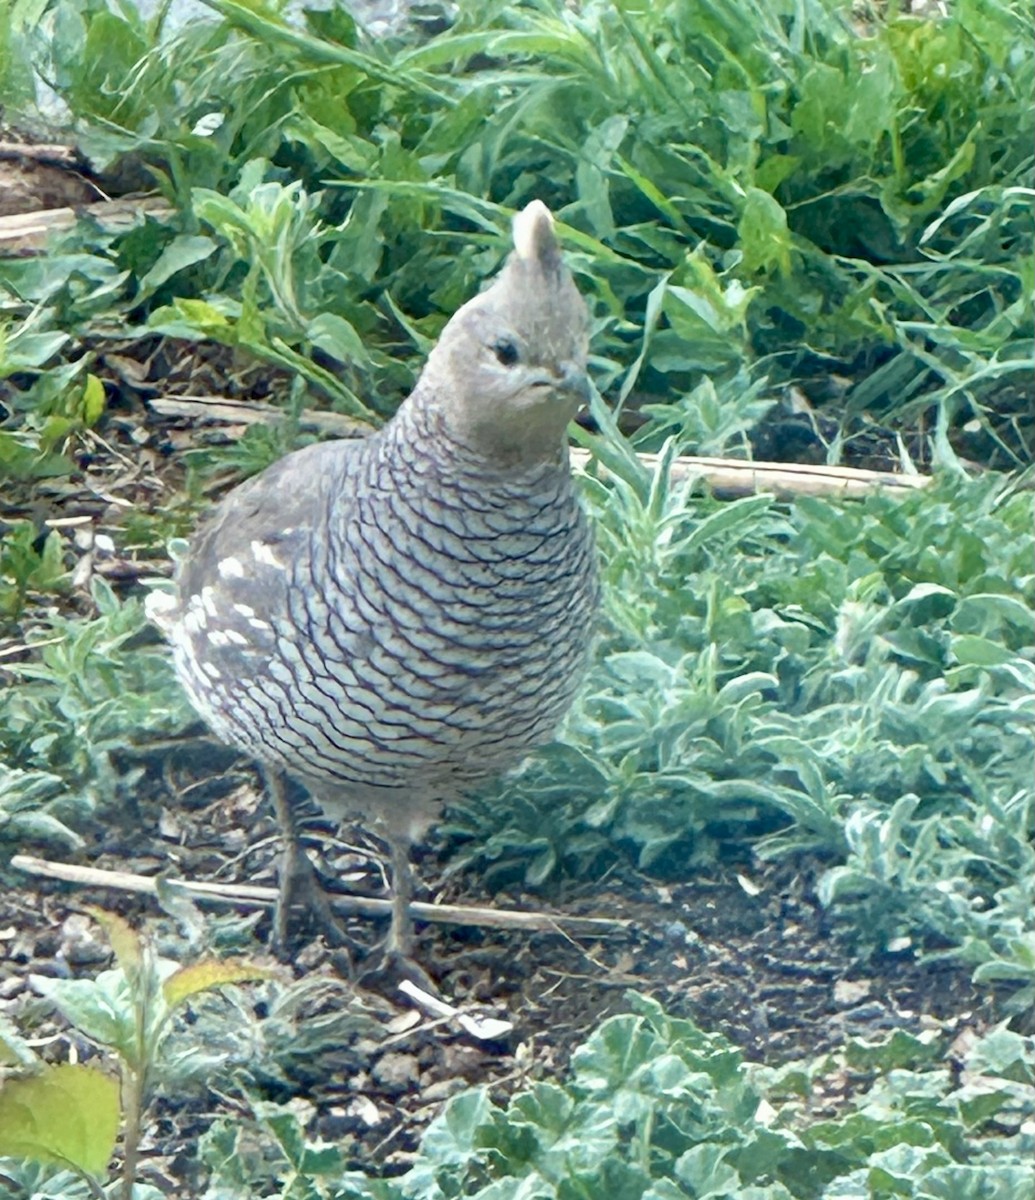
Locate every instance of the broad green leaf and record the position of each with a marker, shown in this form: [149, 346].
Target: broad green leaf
[102, 1008]
[185, 250]
[93, 401]
[971, 650]
[66, 1114]
[763, 233]
[337, 337]
[125, 940]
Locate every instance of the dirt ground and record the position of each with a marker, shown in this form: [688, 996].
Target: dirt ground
[743, 949]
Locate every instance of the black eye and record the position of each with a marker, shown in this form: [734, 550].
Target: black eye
[506, 352]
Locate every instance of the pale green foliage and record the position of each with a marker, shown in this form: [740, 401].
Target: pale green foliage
[90, 691]
[855, 678]
[655, 1109]
[71, 1114]
[752, 196]
[761, 188]
[61, 1114]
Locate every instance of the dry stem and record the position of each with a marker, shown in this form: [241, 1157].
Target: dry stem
[254, 895]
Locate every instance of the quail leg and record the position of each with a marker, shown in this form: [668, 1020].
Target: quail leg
[398, 959]
[400, 934]
[300, 887]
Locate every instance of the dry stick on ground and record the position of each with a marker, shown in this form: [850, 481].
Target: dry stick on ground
[728, 476]
[254, 412]
[253, 895]
[735, 477]
[52, 155]
[26, 234]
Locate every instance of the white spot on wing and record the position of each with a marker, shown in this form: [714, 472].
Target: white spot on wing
[158, 605]
[208, 601]
[264, 554]
[211, 670]
[244, 610]
[195, 618]
[231, 568]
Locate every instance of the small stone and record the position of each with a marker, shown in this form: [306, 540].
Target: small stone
[169, 826]
[364, 1110]
[849, 992]
[403, 1022]
[396, 1071]
[81, 942]
[11, 986]
[442, 1089]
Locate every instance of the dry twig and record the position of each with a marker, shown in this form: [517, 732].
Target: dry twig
[239, 412]
[253, 895]
[728, 476]
[55, 155]
[734, 477]
[27, 233]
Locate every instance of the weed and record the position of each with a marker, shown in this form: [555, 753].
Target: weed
[88, 691]
[127, 1011]
[655, 1107]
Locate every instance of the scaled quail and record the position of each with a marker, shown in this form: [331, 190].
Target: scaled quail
[393, 620]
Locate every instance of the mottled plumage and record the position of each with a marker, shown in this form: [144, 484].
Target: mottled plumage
[392, 620]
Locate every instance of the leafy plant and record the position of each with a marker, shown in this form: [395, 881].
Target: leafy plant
[852, 679]
[654, 1108]
[89, 689]
[29, 563]
[761, 201]
[32, 804]
[824, 197]
[70, 1114]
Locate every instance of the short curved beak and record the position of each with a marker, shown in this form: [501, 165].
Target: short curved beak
[574, 384]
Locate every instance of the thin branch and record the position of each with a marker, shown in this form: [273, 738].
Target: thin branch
[52, 155]
[25, 234]
[249, 895]
[734, 477]
[238, 412]
[728, 476]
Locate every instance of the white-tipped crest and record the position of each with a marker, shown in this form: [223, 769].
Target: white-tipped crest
[533, 232]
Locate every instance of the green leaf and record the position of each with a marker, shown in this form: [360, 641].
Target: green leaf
[93, 401]
[124, 939]
[971, 650]
[337, 337]
[185, 250]
[208, 974]
[763, 233]
[103, 1008]
[66, 1114]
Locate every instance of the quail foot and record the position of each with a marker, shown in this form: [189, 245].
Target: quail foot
[395, 620]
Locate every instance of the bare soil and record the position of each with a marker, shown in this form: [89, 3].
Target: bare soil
[742, 949]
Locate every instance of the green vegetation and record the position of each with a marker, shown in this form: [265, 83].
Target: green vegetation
[748, 187]
[655, 1108]
[854, 680]
[652, 1107]
[765, 203]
